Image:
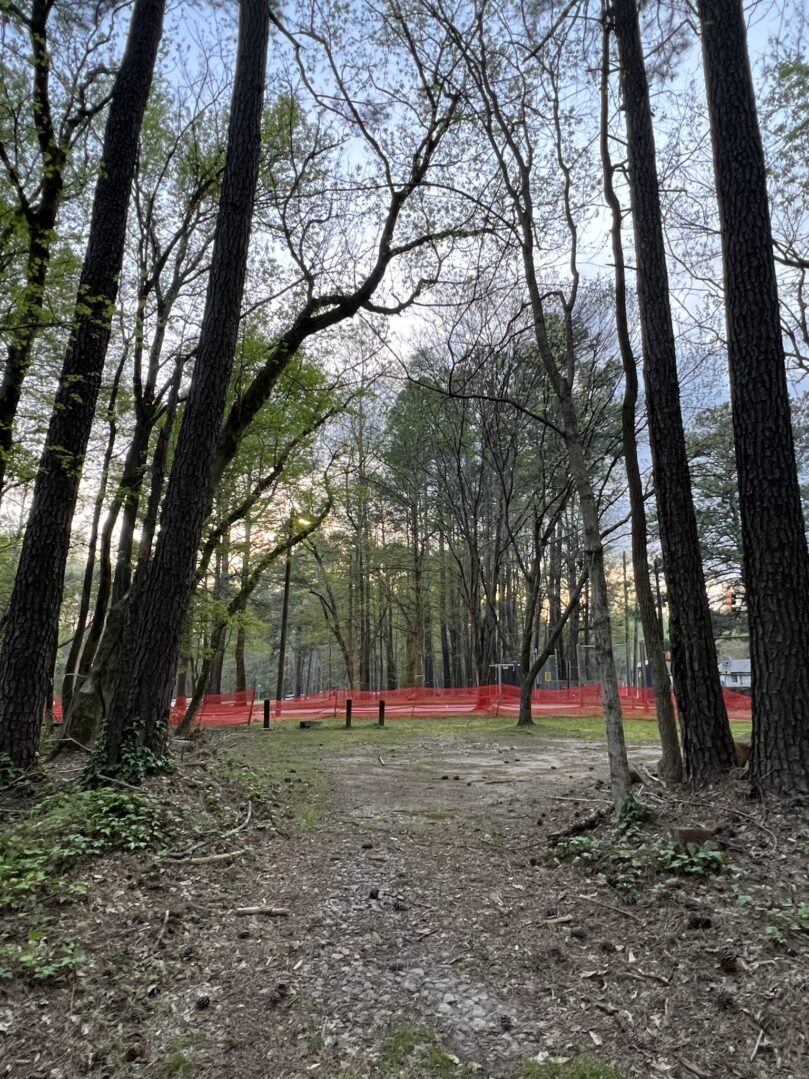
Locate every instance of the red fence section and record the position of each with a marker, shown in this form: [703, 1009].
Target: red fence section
[217, 709]
[236, 709]
[492, 700]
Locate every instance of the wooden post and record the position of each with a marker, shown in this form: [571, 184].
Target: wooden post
[348, 713]
[266, 713]
[381, 713]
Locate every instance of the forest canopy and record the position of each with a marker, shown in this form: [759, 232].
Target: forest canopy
[403, 345]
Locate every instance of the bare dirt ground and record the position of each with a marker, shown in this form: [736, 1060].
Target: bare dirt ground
[432, 927]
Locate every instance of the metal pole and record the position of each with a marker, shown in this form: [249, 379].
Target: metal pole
[282, 645]
[381, 713]
[348, 713]
[266, 713]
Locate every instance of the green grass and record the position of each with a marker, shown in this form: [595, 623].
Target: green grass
[287, 738]
[584, 1067]
[416, 1052]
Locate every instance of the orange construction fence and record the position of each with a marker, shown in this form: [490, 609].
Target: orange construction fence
[236, 709]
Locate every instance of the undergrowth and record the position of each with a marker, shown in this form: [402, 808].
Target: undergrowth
[627, 858]
[40, 853]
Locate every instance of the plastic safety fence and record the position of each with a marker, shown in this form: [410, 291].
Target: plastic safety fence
[491, 700]
[217, 709]
[237, 709]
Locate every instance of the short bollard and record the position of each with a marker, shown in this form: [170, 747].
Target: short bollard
[348, 714]
[266, 713]
[381, 713]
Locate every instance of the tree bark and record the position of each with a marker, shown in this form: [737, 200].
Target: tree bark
[159, 601]
[241, 635]
[99, 671]
[671, 766]
[29, 647]
[707, 741]
[40, 221]
[776, 567]
[71, 664]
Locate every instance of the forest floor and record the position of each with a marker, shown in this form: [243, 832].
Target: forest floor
[419, 919]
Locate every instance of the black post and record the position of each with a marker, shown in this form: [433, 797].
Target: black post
[381, 713]
[348, 714]
[266, 713]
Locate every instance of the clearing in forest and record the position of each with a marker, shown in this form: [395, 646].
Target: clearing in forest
[421, 916]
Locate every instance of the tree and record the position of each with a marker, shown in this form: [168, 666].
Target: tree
[177, 169]
[153, 628]
[671, 761]
[504, 113]
[776, 563]
[707, 741]
[29, 646]
[38, 190]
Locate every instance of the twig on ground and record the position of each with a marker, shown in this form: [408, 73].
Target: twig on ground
[609, 906]
[163, 928]
[225, 857]
[757, 1046]
[243, 825]
[271, 912]
[79, 745]
[639, 974]
[691, 1067]
[122, 783]
[583, 824]
[740, 813]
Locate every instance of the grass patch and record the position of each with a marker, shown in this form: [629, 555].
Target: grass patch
[416, 1052]
[287, 737]
[275, 778]
[287, 741]
[584, 1067]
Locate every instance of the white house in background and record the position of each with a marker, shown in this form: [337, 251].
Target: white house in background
[734, 673]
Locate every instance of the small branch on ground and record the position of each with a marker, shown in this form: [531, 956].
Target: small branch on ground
[271, 912]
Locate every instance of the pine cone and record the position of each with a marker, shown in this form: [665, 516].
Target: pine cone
[728, 963]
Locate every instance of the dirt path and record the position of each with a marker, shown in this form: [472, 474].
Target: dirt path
[413, 903]
[420, 896]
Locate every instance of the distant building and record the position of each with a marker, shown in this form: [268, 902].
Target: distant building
[734, 673]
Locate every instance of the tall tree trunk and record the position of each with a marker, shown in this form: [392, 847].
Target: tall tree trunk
[29, 647]
[707, 741]
[159, 601]
[220, 592]
[71, 663]
[241, 634]
[773, 536]
[446, 655]
[573, 621]
[428, 662]
[390, 649]
[555, 602]
[530, 671]
[671, 765]
[101, 658]
[40, 221]
[599, 604]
